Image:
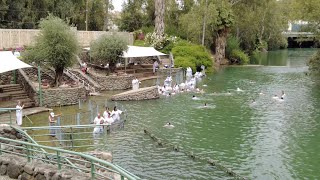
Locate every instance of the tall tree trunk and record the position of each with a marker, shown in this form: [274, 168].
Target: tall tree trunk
[112, 67]
[106, 16]
[159, 21]
[221, 42]
[58, 77]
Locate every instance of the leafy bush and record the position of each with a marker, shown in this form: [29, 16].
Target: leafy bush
[140, 43]
[314, 63]
[159, 43]
[233, 43]
[108, 49]
[191, 55]
[239, 57]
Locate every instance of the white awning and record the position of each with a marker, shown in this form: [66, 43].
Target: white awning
[9, 62]
[138, 51]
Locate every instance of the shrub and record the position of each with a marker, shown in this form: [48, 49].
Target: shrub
[159, 43]
[139, 43]
[239, 57]
[191, 55]
[314, 63]
[233, 43]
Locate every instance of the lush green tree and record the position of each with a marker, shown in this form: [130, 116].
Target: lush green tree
[259, 24]
[56, 45]
[131, 16]
[108, 50]
[191, 55]
[225, 21]
[309, 11]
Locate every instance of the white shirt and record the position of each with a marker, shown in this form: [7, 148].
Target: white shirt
[97, 121]
[116, 115]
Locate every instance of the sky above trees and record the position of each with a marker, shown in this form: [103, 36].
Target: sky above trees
[117, 4]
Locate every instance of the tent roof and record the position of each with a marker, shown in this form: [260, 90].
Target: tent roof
[9, 62]
[138, 51]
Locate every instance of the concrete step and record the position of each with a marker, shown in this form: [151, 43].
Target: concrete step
[10, 89]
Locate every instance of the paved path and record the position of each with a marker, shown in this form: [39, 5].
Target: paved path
[5, 117]
[147, 78]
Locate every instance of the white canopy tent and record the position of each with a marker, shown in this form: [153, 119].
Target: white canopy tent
[137, 51]
[9, 62]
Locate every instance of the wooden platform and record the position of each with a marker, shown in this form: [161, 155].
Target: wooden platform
[5, 117]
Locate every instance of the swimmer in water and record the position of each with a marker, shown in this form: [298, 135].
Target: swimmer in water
[194, 97]
[238, 89]
[168, 125]
[282, 95]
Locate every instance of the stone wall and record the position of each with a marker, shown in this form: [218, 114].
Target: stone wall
[17, 167]
[136, 95]
[13, 38]
[28, 87]
[113, 82]
[6, 78]
[63, 96]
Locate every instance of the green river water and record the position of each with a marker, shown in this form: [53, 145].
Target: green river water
[268, 139]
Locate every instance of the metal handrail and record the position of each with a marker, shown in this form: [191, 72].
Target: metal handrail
[67, 71]
[34, 142]
[93, 160]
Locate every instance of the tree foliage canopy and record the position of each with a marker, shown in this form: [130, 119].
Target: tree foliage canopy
[108, 50]
[56, 45]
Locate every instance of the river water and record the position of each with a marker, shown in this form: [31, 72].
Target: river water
[268, 139]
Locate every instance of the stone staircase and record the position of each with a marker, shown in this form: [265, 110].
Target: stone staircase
[87, 79]
[11, 93]
[89, 87]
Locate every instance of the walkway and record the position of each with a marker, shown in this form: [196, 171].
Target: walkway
[5, 117]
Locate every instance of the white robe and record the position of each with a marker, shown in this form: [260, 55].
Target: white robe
[116, 115]
[97, 121]
[19, 115]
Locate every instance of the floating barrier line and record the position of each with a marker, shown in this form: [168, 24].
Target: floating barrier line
[192, 155]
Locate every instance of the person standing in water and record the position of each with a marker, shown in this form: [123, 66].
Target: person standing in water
[19, 113]
[52, 122]
[98, 121]
[115, 114]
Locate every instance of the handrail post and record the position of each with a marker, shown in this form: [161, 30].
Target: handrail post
[59, 160]
[71, 137]
[0, 149]
[78, 118]
[28, 153]
[10, 117]
[92, 170]
[122, 177]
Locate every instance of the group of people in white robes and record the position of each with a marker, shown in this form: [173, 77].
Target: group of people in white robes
[189, 85]
[107, 119]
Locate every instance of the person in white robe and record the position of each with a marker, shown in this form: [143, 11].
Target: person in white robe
[98, 121]
[115, 114]
[19, 113]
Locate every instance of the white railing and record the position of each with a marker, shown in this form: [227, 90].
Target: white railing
[83, 82]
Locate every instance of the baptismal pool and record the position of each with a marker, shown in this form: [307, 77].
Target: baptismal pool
[268, 139]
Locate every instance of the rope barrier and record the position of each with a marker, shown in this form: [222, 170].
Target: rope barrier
[192, 155]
